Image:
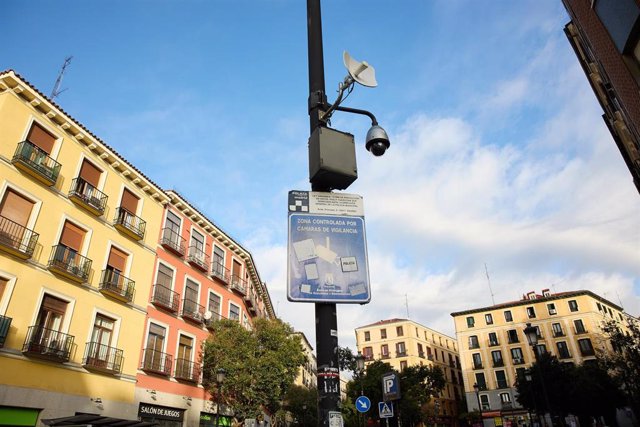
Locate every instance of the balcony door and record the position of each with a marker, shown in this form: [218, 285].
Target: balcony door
[100, 345]
[15, 212]
[70, 244]
[128, 209]
[47, 334]
[41, 138]
[153, 355]
[89, 181]
[183, 361]
[116, 264]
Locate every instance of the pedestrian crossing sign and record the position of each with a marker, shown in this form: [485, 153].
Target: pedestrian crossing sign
[385, 409]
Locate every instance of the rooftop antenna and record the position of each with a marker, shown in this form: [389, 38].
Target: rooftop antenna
[406, 303]
[619, 300]
[493, 301]
[56, 87]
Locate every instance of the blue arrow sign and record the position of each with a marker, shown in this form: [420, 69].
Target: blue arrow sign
[363, 404]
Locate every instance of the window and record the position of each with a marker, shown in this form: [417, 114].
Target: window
[470, 322]
[488, 318]
[234, 312]
[473, 342]
[493, 339]
[384, 351]
[477, 361]
[619, 17]
[184, 357]
[86, 185]
[172, 227]
[383, 334]
[218, 260]
[557, 329]
[41, 138]
[154, 352]
[196, 248]
[501, 379]
[66, 252]
[51, 314]
[531, 312]
[215, 304]
[191, 293]
[417, 334]
[480, 380]
[496, 356]
[399, 331]
[505, 398]
[586, 348]
[512, 335]
[484, 401]
[129, 202]
[401, 350]
[113, 275]
[580, 329]
[367, 336]
[563, 350]
[507, 316]
[236, 269]
[541, 349]
[100, 351]
[552, 308]
[420, 349]
[403, 365]
[15, 212]
[367, 352]
[516, 356]
[573, 305]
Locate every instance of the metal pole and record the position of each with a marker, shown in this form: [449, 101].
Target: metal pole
[326, 317]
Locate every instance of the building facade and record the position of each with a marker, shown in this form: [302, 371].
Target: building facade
[403, 343]
[605, 35]
[108, 284]
[201, 276]
[78, 226]
[307, 372]
[494, 350]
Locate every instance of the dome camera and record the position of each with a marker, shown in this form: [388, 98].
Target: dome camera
[377, 141]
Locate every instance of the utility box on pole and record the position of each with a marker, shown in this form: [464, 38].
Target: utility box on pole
[332, 158]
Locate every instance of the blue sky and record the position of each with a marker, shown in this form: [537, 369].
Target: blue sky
[499, 154]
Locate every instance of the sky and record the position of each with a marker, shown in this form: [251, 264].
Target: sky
[499, 156]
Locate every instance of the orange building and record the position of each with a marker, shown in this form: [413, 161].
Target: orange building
[201, 275]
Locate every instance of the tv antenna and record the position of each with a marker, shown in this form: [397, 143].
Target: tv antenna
[493, 301]
[56, 87]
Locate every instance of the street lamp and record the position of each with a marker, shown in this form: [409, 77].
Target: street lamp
[476, 388]
[220, 376]
[531, 332]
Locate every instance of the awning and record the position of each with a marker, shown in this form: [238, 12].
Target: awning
[87, 420]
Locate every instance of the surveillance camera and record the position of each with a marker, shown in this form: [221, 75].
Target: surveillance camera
[377, 141]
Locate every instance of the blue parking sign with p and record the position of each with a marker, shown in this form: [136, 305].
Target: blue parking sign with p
[390, 386]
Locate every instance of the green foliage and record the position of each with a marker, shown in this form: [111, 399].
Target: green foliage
[302, 404]
[261, 364]
[346, 359]
[624, 363]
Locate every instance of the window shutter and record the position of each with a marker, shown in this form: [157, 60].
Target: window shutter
[54, 304]
[72, 236]
[16, 208]
[117, 259]
[129, 201]
[41, 138]
[90, 173]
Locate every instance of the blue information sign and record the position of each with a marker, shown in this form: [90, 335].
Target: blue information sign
[327, 251]
[363, 404]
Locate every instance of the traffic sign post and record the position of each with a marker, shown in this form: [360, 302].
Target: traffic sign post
[363, 404]
[385, 409]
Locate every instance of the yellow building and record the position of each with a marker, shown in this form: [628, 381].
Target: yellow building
[494, 349]
[78, 231]
[402, 343]
[307, 372]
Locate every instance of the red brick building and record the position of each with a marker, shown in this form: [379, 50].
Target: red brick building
[605, 35]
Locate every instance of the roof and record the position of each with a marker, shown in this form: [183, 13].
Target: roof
[96, 420]
[398, 320]
[11, 80]
[537, 299]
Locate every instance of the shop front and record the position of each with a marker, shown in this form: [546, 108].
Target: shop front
[164, 416]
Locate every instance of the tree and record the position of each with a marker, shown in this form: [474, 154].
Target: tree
[346, 359]
[624, 362]
[302, 403]
[260, 365]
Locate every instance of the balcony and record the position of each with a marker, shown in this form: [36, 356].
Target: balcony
[5, 324]
[192, 311]
[165, 298]
[16, 239]
[477, 365]
[187, 370]
[430, 357]
[518, 361]
[211, 322]
[48, 344]
[198, 258]
[384, 356]
[220, 272]
[498, 363]
[156, 362]
[100, 357]
[172, 241]
[32, 160]
[86, 195]
[239, 285]
[129, 224]
[401, 353]
[66, 262]
[117, 286]
[421, 354]
[502, 384]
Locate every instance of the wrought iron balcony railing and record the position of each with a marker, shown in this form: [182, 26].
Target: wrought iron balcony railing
[210, 323]
[401, 353]
[102, 357]
[129, 224]
[187, 370]
[238, 284]
[36, 162]
[502, 384]
[69, 263]
[498, 363]
[477, 365]
[172, 241]
[16, 239]
[88, 196]
[198, 258]
[165, 298]
[47, 343]
[156, 362]
[518, 361]
[5, 324]
[116, 285]
[193, 311]
[219, 271]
